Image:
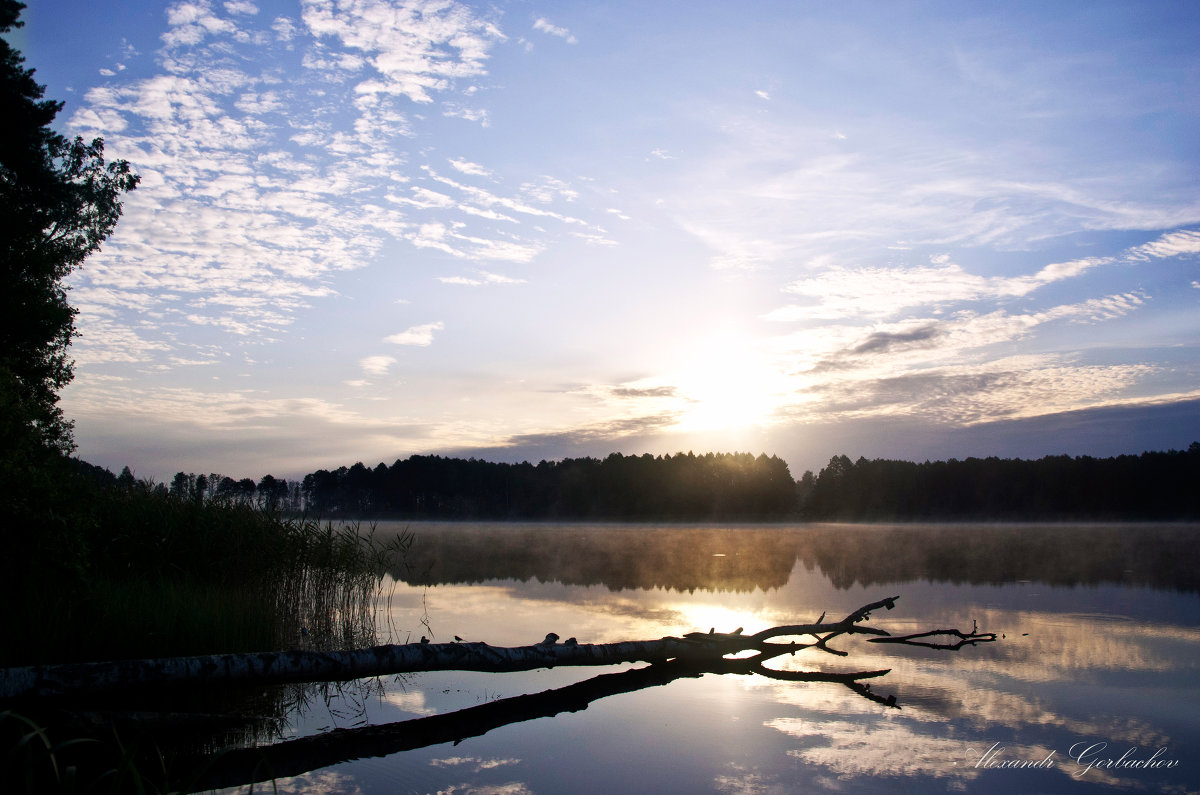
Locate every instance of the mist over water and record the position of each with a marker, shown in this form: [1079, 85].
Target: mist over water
[1100, 646]
[745, 558]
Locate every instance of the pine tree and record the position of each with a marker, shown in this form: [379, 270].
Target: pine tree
[58, 202]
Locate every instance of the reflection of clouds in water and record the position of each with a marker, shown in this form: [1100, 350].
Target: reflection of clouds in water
[929, 693]
[884, 749]
[1047, 688]
[410, 701]
[1059, 650]
[320, 782]
[511, 788]
[889, 749]
[742, 781]
[1074, 643]
[473, 762]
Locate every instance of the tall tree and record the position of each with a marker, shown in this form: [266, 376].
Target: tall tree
[58, 202]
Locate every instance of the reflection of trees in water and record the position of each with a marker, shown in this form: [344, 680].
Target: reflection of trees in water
[742, 559]
[1158, 556]
[617, 557]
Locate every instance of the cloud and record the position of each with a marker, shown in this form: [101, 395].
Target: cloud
[416, 49]
[538, 192]
[545, 27]
[456, 111]
[416, 335]
[602, 432]
[467, 167]
[1012, 388]
[785, 179]
[644, 392]
[376, 365]
[882, 341]
[839, 292]
[256, 192]
[285, 29]
[241, 7]
[886, 348]
[1173, 244]
[483, 278]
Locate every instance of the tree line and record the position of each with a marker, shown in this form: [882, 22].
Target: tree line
[1150, 486]
[618, 487]
[723, 486]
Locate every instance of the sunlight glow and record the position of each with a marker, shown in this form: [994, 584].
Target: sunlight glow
[703, 617]
[730, 383]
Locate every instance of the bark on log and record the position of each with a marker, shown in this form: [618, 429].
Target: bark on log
[313, 666]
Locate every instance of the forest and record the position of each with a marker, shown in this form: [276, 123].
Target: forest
[1150, 486]
[618, 488]
[730, 486]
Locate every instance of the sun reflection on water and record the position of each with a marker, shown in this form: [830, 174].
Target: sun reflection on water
[1096, 662]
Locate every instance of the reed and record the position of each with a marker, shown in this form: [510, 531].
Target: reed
[153, 575]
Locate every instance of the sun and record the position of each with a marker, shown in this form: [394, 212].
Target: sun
[729, 383]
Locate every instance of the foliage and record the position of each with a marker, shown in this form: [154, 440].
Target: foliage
[60, 202]
[1153, 486]
[132, 570]
[685, 486]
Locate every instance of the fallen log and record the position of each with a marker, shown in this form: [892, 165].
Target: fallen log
[314, 666]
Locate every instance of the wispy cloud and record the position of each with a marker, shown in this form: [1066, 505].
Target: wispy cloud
[875, 292]
[544, 26]
[472, 169]
[1175, 244]
[417, 49]
[377, 365]
[256, 191]
[416, 335]
[482, 278]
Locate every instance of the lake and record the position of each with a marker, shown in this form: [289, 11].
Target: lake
[1093, 685]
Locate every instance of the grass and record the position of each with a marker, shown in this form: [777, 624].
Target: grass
[101, 573]
[138, 573]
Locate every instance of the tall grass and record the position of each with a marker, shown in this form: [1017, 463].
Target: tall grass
[153, 575]
[116, 573]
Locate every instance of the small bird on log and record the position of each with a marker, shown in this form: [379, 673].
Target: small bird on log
[570, 642]
[457, 639]
[550, 640]
[424, 639]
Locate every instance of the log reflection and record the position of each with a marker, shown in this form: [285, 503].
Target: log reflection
[244, 766]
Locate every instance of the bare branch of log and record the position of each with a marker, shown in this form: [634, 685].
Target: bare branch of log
[311, 666]
[964, 639]
[239, 767]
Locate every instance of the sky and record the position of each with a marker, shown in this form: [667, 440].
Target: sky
[368, 229]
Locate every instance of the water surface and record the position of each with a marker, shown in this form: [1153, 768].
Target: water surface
[1094, 679]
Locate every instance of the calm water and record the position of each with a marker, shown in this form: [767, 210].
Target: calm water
[1099, 661]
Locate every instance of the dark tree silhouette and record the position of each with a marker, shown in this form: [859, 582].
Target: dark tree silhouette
[683, 486]
[58, 202]
[1153, 485]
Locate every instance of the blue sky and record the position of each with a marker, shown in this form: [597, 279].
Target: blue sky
[525, 230]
